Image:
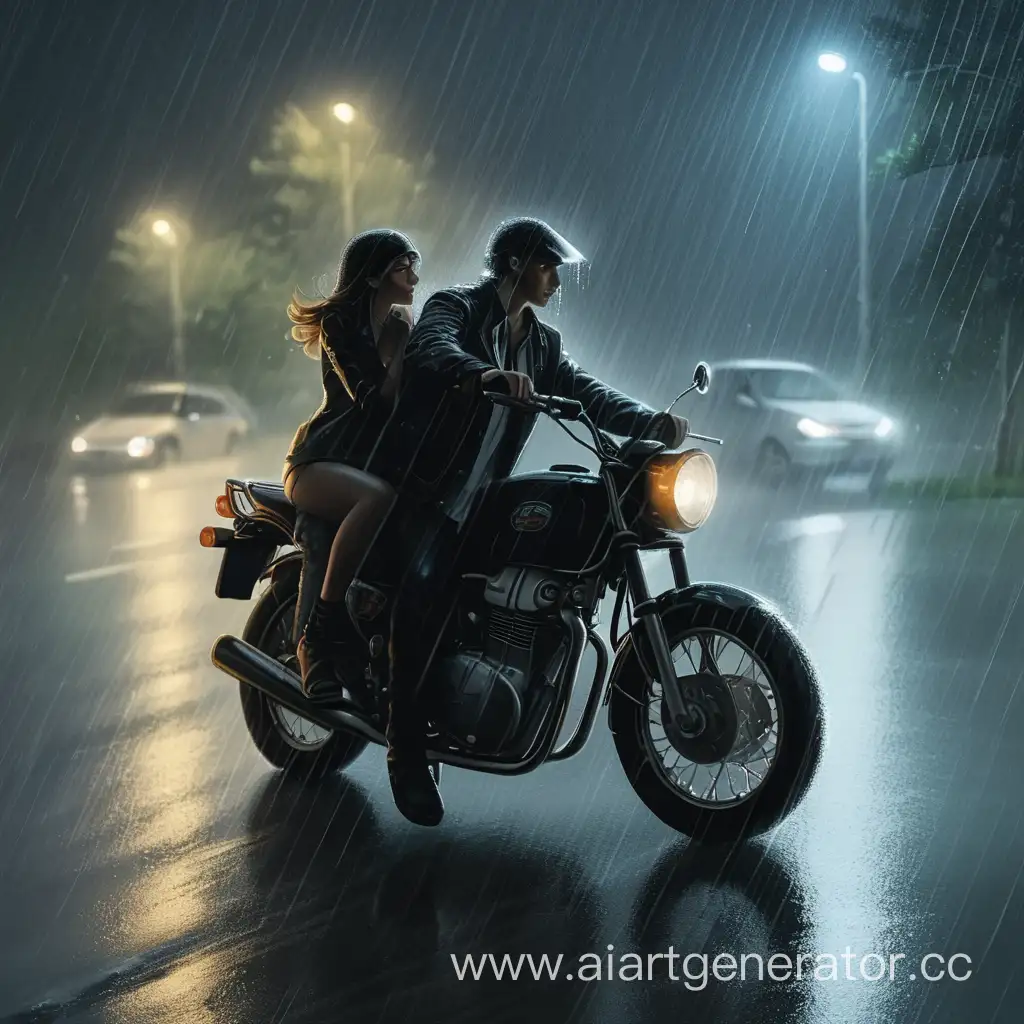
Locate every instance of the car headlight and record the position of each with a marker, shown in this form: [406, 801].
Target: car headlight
[140, 447]
[884, 427]
[79, 445]
[812, 428]
[682, 490]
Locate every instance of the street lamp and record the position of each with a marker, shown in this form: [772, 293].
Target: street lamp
[836, 64]
[164, 230]
[346, 114]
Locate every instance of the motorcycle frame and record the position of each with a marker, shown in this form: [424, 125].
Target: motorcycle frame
[229, 655]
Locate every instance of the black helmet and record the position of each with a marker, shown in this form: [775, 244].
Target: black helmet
[369, 255]
[528, 239]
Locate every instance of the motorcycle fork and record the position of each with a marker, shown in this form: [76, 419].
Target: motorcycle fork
[646, 608]
[648, 612]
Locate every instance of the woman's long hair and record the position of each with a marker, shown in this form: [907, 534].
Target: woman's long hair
[367, 255]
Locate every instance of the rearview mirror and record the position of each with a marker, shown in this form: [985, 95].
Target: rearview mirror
[702, 378]
[745, 399]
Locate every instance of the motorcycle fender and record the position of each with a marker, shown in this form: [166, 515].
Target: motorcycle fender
[670, 604]
[284, 572]
[243, 563]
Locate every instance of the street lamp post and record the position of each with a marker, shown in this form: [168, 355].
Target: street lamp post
[835, 63]
[166, 233]
[346, 114]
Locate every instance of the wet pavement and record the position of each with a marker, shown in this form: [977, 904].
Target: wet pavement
[154, 868]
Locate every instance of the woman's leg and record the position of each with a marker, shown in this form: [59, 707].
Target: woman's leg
[336, 492]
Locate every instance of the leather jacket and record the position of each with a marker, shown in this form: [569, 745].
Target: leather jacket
[441, 407]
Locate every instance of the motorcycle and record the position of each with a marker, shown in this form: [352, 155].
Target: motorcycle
[713, 704]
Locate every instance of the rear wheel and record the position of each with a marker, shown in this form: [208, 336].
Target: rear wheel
[287, 740]
[747, 757]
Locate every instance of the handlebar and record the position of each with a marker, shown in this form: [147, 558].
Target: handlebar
[569, 409]
[563, 408]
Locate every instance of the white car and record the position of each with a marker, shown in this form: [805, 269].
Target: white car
[156, 423]
[786, 419]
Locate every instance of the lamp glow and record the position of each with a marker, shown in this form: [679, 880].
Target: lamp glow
[834, 63]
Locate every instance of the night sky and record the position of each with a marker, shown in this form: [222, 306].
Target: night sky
[692, 149]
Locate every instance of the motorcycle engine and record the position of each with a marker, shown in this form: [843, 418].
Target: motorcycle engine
[486, 692]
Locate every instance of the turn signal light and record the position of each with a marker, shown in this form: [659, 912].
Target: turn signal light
[223, 507]
[215, 537]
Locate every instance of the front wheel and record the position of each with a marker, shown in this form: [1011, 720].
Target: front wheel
[287, 740]
[751, 745]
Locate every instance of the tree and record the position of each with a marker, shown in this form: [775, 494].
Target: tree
[227, 285]
[962, 69]
[948, 293]
[309, 172]
[235, 282]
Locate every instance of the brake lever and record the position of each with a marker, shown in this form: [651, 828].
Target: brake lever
[701, 437]
[497, 398]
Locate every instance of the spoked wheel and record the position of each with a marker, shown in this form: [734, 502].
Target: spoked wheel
[284, 738]
[724, 750]
[298, 732]
[743, 753]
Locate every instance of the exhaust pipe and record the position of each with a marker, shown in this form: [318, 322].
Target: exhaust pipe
[250, 665]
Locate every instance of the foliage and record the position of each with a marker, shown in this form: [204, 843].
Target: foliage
[305, 170]
[237, 281]
[961, 69]
[959, 76]
[945, 488]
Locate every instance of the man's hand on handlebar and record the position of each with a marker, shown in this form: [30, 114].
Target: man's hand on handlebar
[515, 385]
[682, 425]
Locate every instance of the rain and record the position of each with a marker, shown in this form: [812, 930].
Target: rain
[821, 201]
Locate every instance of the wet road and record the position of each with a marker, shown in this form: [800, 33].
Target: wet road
[153, 868]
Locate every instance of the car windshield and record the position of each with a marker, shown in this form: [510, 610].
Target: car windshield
[797, 385]
[160, 403]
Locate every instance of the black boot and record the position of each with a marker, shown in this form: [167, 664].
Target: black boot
[412, 783]
[317, 650]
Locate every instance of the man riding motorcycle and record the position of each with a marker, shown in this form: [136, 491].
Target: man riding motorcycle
[475, 339]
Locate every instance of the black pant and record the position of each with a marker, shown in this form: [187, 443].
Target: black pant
[423, 603]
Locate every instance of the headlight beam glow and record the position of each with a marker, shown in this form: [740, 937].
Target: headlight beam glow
[812, 428]
[140, 447]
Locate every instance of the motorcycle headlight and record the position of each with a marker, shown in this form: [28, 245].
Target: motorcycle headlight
[682, 490]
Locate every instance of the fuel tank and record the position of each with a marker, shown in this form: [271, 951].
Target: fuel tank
[556, 519]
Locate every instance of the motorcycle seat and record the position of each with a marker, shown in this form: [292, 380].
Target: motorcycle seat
[270, 496]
